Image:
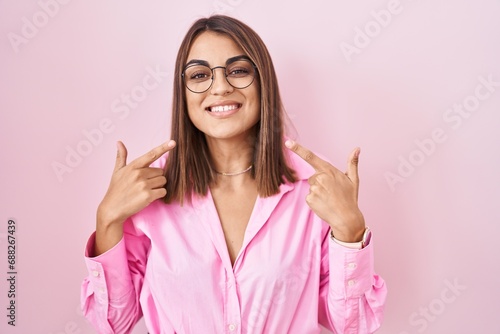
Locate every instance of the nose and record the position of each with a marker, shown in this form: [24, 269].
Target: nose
[220, 86]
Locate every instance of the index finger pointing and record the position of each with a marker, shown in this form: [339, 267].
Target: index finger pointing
[308, 156]
[148, 158]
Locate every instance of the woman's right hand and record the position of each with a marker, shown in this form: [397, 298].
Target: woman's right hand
[133, 186]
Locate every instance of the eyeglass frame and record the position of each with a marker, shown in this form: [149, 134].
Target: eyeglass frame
[228, 62]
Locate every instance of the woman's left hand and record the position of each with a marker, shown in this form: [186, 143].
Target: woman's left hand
[333, 195]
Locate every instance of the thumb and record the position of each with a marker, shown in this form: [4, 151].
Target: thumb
[352, 167]
[121, 155]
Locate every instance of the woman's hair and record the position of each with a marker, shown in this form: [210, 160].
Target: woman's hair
[188, 169]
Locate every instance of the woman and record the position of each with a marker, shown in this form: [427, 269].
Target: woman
[228, 228]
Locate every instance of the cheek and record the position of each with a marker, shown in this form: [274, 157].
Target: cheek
[193, 104]
[256, 104]
[254, 98]
[190, 100]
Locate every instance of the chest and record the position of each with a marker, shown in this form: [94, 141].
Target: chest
[273, 232]
[191, 278]
[234, 209]
[270, 238]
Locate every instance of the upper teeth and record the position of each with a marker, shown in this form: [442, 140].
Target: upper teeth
[223, 108]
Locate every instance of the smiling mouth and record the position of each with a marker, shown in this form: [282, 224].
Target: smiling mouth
[224, 108]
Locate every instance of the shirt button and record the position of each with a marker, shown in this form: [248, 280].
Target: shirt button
[232, 327]
[351, 265]
[95, 273]
[351, 282]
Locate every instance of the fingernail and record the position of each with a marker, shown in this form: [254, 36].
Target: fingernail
[171, 143]
[289, 143]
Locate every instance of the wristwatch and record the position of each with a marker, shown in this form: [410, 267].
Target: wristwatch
[356, 245]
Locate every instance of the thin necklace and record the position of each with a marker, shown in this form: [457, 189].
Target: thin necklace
[234, 173]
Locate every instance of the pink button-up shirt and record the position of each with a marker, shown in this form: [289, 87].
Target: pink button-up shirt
[173, 267]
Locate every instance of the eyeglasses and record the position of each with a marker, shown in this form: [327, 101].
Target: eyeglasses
[199, 77]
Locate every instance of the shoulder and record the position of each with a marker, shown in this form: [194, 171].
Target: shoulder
[303, 169]
[160, 162]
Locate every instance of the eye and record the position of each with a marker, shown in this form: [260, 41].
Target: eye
[239, 69]
[198, 73]
[238, 72]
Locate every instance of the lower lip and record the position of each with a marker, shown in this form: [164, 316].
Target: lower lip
[223, 114]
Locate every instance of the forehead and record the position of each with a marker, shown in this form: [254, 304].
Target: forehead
[214, 48]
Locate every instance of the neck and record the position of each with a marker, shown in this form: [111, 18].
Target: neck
[231, 156]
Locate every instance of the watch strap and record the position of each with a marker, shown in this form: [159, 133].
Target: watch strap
[355, 245]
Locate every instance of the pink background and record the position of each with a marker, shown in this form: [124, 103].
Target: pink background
[436, 226]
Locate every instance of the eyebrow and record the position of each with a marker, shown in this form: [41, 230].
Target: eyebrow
[205, 63]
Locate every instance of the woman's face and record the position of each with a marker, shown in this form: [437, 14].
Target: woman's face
[222, 112]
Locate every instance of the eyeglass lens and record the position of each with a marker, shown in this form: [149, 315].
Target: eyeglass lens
[239, 74]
